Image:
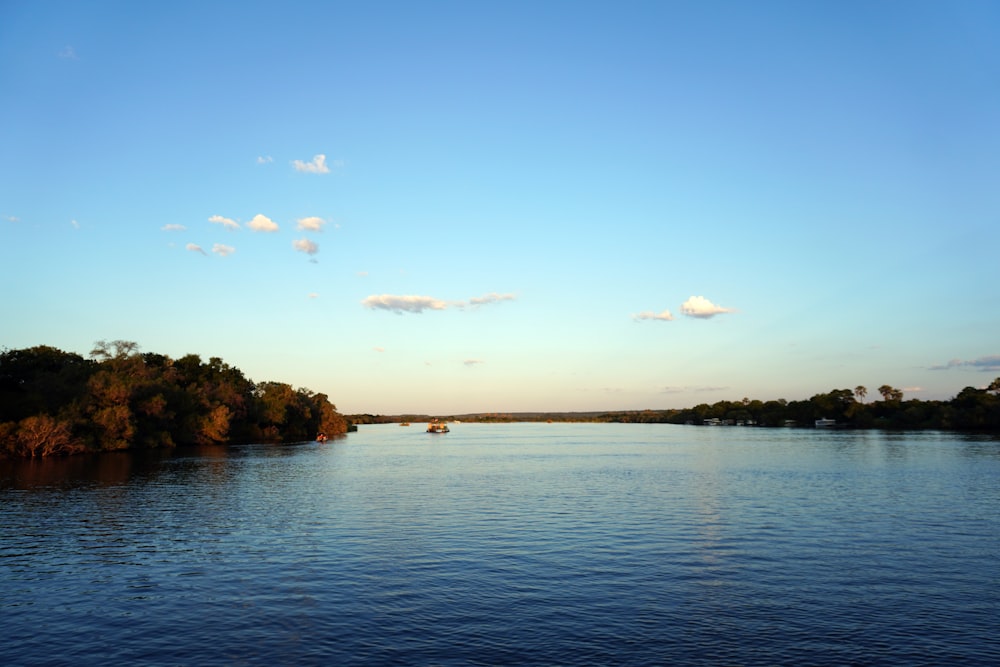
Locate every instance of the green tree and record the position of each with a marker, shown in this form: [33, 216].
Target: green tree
[861, 391]
[890, 394]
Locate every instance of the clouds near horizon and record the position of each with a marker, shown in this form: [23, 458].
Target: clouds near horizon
[665, 316]
[403, 303]
[702, 308]
[400, 304]
[987, 364]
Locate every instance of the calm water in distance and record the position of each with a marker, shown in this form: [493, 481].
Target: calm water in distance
[511, 544]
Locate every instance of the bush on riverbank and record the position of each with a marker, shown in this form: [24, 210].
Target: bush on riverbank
[57, 403]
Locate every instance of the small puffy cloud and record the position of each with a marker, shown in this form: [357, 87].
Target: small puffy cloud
[195, 248]
[699, 306]
[306, 246]
[262, 223]
[473, 362]
[492, 297]
[76, 225]
[317, 166]
[403, 303]
[665, 316]
[228, 223]
[68, 53]
[13, 218]
[223, 250]
[313, 295]
[173, 228]
[311, 224]
[264, 159]
[987, 364]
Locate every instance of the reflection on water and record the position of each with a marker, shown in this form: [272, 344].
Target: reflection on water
[544, 544]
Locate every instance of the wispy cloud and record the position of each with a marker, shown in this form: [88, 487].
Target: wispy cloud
[492, 297]
[306, 246]
[195, 248]
[418, 304]
[68, 53]
[473, 362]
[13, 218]
[223, 250]
[264, 159]
[317, 166]
[313, 295]
[403, 304]
[311, 224]
[75, 224]
[987, 364]
[665, 316]
[228, 223]
[262, 223]
[379, 349]
[173, 228]
[694, 389]
[699, 306]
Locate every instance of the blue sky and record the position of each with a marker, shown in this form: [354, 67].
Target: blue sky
[449, 207]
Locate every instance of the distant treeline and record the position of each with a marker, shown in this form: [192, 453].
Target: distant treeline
[57, 403]
[971, 410]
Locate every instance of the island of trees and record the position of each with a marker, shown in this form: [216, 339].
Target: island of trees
[971, 410]
[58, 403]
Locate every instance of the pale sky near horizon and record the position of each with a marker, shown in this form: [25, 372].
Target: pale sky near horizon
[447, 207]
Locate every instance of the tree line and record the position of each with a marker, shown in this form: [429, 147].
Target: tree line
[971, 410]
[57, 403]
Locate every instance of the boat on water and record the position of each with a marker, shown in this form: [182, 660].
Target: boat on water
[437, 427]
[322, 437]
[404, 423]
[826, 423]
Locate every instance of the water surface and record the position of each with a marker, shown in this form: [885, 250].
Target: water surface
[521, 544]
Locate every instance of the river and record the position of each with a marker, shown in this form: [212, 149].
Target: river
[511, 544]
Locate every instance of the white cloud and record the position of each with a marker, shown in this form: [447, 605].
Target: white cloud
[987, 364]
[68, 53]
[492, 297]
[173, 228]
[312, 224]
[665, 316]
[699, 306]
[262, 223]
[403, 304]
[223, 250]
[317, 166]
[228, 223]
[313, 295]
[473, 362]
[13, 218]
[264, 159]
[76, 225]
[195, 248]
[306, 246]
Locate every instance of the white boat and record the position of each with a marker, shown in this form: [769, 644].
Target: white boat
[826, 423]
[437, 427]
